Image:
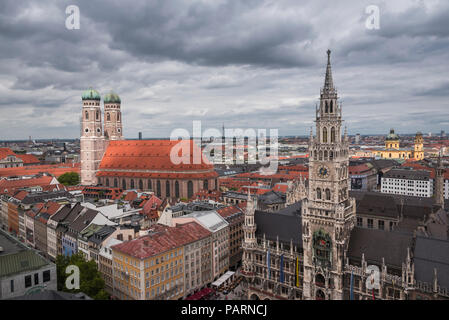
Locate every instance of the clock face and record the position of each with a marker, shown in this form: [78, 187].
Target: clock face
[323, 172]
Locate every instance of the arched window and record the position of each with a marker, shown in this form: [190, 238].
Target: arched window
[331, 155]
[149, 185]
[325, 154]
[140, 184]
[331, 109]
[167, 188]
[324, 134]
[326, 108]
[321, 155]
[206, 185]
[115, 183]
[315, 155]
[108, 116]
[87, 115]
[328, 194]
[97, 115]
[107, 182]
[333, 134]
[189, 189]
[158, 188]
[118, 116]
[318, 193]
[176, 189]
[124, 184]
[132, 184]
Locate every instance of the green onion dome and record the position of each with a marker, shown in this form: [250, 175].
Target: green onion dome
[91, 94]
[392, 135]
[112, 98]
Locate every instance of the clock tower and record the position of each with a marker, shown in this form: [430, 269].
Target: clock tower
[328, 214]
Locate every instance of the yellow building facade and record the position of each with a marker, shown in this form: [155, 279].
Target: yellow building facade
[157, 277]
[394, 151]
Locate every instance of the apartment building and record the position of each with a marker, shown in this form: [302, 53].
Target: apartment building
[416, 183]
[152, 266]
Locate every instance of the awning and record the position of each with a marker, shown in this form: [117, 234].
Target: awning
[223, 279]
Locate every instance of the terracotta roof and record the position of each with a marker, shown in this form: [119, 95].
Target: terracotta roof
[151, 158]
[131, 196]
[161, 239]
[28, 158]
[55, 170]
[281, 187]
[151, 203]
[229, 211]
[24, 183]
[360, 168]
[21, 195]
[4, 152]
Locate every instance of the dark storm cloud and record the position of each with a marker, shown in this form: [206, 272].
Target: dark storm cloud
[246, 63]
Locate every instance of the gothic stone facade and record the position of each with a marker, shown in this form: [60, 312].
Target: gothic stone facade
[313, 250]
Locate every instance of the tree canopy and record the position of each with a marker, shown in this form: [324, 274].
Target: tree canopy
[91, 282]
[69, 179]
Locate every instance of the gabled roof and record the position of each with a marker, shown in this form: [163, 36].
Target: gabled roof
[28, 158]
[54, 169]
[432, 254]
[83, 220]
[376, 244]
[161, 239]
[154, 157]
[4, 152]
[286, 225]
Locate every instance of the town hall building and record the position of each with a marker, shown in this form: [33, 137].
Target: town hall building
[319, 249]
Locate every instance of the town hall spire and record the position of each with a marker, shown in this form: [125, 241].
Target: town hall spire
[328, 82]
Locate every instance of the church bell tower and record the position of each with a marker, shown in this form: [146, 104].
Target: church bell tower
[328, 214]
[92, 139]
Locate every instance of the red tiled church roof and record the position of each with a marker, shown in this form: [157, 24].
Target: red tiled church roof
[151, 158]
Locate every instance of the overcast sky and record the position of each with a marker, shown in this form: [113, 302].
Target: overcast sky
[249, 64]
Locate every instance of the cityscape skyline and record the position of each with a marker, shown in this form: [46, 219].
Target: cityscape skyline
[209, 72]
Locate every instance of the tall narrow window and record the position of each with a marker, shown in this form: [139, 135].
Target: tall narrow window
[132, 183]
[107, 182]
[189, 189]
[115, 183]
[97, 115]
[140, 184]
[325, 154]
[326, 107]
[167, 188]
[333, 134]
[149, 185]
[158, 188]
[325, 135]
[108, 116]
[318, 193]
[331, 109]
[87, 115]
[206, 185]
[124, 184]
[328, 194]
[176, 189]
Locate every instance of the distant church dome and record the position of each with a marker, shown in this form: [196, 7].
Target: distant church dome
[91, 94]
[392, 135]
[112, 98]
